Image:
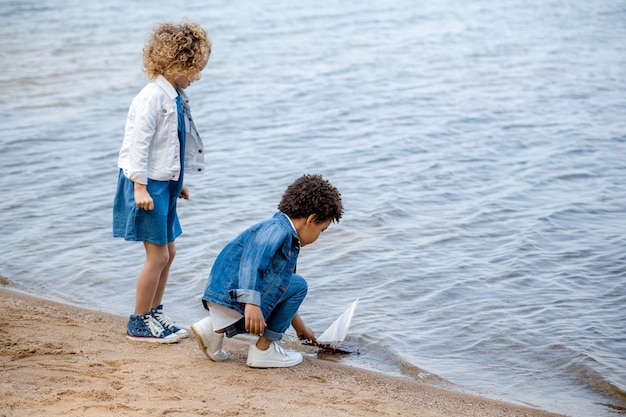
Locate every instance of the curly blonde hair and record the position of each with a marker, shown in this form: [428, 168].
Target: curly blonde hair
[175, 49]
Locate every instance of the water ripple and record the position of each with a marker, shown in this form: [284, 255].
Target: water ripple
[478, 147]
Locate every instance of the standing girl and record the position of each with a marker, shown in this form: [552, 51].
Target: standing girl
[160, 144]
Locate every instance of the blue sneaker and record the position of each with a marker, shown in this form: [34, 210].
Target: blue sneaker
[167, 323]
[144, 328]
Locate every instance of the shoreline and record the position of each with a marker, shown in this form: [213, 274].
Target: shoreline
[58, 359]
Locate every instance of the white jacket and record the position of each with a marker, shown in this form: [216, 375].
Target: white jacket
[151, 147]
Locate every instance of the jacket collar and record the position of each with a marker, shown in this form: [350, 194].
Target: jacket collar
[287, 221]
[166, 86]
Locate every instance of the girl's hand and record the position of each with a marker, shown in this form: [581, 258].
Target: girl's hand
[184, 193]
[255, 323]
[142, 197]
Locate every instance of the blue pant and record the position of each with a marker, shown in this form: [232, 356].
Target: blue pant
[280, 317]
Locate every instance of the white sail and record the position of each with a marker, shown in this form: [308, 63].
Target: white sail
[339, 329]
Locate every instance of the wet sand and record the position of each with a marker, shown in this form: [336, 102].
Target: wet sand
[61, 360]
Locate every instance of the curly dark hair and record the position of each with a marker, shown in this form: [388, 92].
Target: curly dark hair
[312, 194]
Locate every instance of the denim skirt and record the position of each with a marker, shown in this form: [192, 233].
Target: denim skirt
[158, 226]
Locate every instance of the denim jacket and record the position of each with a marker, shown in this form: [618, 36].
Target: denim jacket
[256, 267]
[150, 148]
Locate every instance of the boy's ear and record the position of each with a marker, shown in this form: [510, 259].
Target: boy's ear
[312, 218]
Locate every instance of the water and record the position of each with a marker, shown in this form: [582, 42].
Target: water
[479, 148]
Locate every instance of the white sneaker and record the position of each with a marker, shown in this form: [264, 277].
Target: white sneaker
[274, 357]
[209, 341]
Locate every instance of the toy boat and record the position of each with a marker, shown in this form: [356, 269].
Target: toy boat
[337, 332]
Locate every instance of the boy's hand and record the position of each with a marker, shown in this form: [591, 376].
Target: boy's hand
[307, 334]
[303, 332]
[142, 197]
[255, 323]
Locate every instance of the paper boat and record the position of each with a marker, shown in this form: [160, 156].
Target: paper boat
[337, 332]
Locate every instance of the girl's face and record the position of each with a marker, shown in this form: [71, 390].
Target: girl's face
[184, 80]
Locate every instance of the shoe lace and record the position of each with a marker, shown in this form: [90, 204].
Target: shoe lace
[155, 327]
[280, 349]
[164, 320]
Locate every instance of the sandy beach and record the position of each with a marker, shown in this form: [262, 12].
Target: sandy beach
[60, 360]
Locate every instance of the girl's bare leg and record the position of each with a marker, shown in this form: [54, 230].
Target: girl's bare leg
[158, 296]
[157, 258]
